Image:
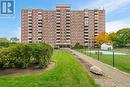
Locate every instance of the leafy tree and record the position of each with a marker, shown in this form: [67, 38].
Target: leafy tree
[114, 38]
[103, 38]
[121, 38]
[4, 42]
[14, 39]
[78, 46]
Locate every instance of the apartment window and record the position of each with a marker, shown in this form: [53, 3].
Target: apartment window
[85, 26]
[86, 32]
[95, 29]
[95, 35]
[86, 38]
[58, 32]
[57, 13]
[30, 28]
[67, 35]
[30, 41]
[39, 23]
[67, 14]
[57, 26]
[67, 10]
[86, 35]
[30, 38]
[96, 32]
[67, 23]
[30, 32]
[58, 10]
[57, 38]
[68, 32]
[58, 17]
[85, 41]
[67, 38]
[39, 19]
[30, 19]
[30, 22]
[58, 23]
[39, 26]
[39, 38]
[29, 16]
[86, 17]
[39, 32]
[57, 29]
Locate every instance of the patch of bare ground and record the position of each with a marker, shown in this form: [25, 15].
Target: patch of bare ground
[30, 70]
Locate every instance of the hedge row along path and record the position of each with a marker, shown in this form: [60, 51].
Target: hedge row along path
[113, 77]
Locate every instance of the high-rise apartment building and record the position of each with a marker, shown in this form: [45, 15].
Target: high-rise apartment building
[62, 27]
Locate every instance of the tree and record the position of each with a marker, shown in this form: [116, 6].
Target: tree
[103, 38]
[114, 38]
[124, 36]
[78, 46]
[14, 39]
[121, 38]
[4, 40]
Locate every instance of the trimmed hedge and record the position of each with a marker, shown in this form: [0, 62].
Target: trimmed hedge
[24, 55]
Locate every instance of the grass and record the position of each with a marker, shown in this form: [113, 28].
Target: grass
[122, 62]
[122, 49]
[68, 72]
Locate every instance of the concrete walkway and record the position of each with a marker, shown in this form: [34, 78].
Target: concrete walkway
[113, 77]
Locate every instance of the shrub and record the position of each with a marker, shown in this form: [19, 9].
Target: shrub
[24, 55]
[6, 44]
[77, 46]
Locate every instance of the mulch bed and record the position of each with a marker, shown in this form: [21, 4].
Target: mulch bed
[30, 70]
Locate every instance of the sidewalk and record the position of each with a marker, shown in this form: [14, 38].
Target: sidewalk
[113, 77]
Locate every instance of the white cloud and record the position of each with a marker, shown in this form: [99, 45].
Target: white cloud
[112, 5]
[108, 5]
[114, 26]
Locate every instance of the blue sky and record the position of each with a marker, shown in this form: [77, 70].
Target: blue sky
[117, 13]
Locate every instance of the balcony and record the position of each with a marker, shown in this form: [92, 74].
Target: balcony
[86, 37]
[86, 31]
[58, 34]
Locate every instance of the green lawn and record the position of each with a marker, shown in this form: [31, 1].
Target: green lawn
[122, 62]
[123, 49]
[68, 72]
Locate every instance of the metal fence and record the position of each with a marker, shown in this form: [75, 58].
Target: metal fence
[111, 58]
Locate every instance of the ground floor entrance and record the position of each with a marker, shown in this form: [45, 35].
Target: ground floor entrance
[63, 46]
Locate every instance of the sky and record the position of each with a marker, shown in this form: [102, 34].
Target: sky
[117, 13]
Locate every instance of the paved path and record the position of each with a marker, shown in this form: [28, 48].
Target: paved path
[113, 77]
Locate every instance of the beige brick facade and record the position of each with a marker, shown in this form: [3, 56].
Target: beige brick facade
[62, 27]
